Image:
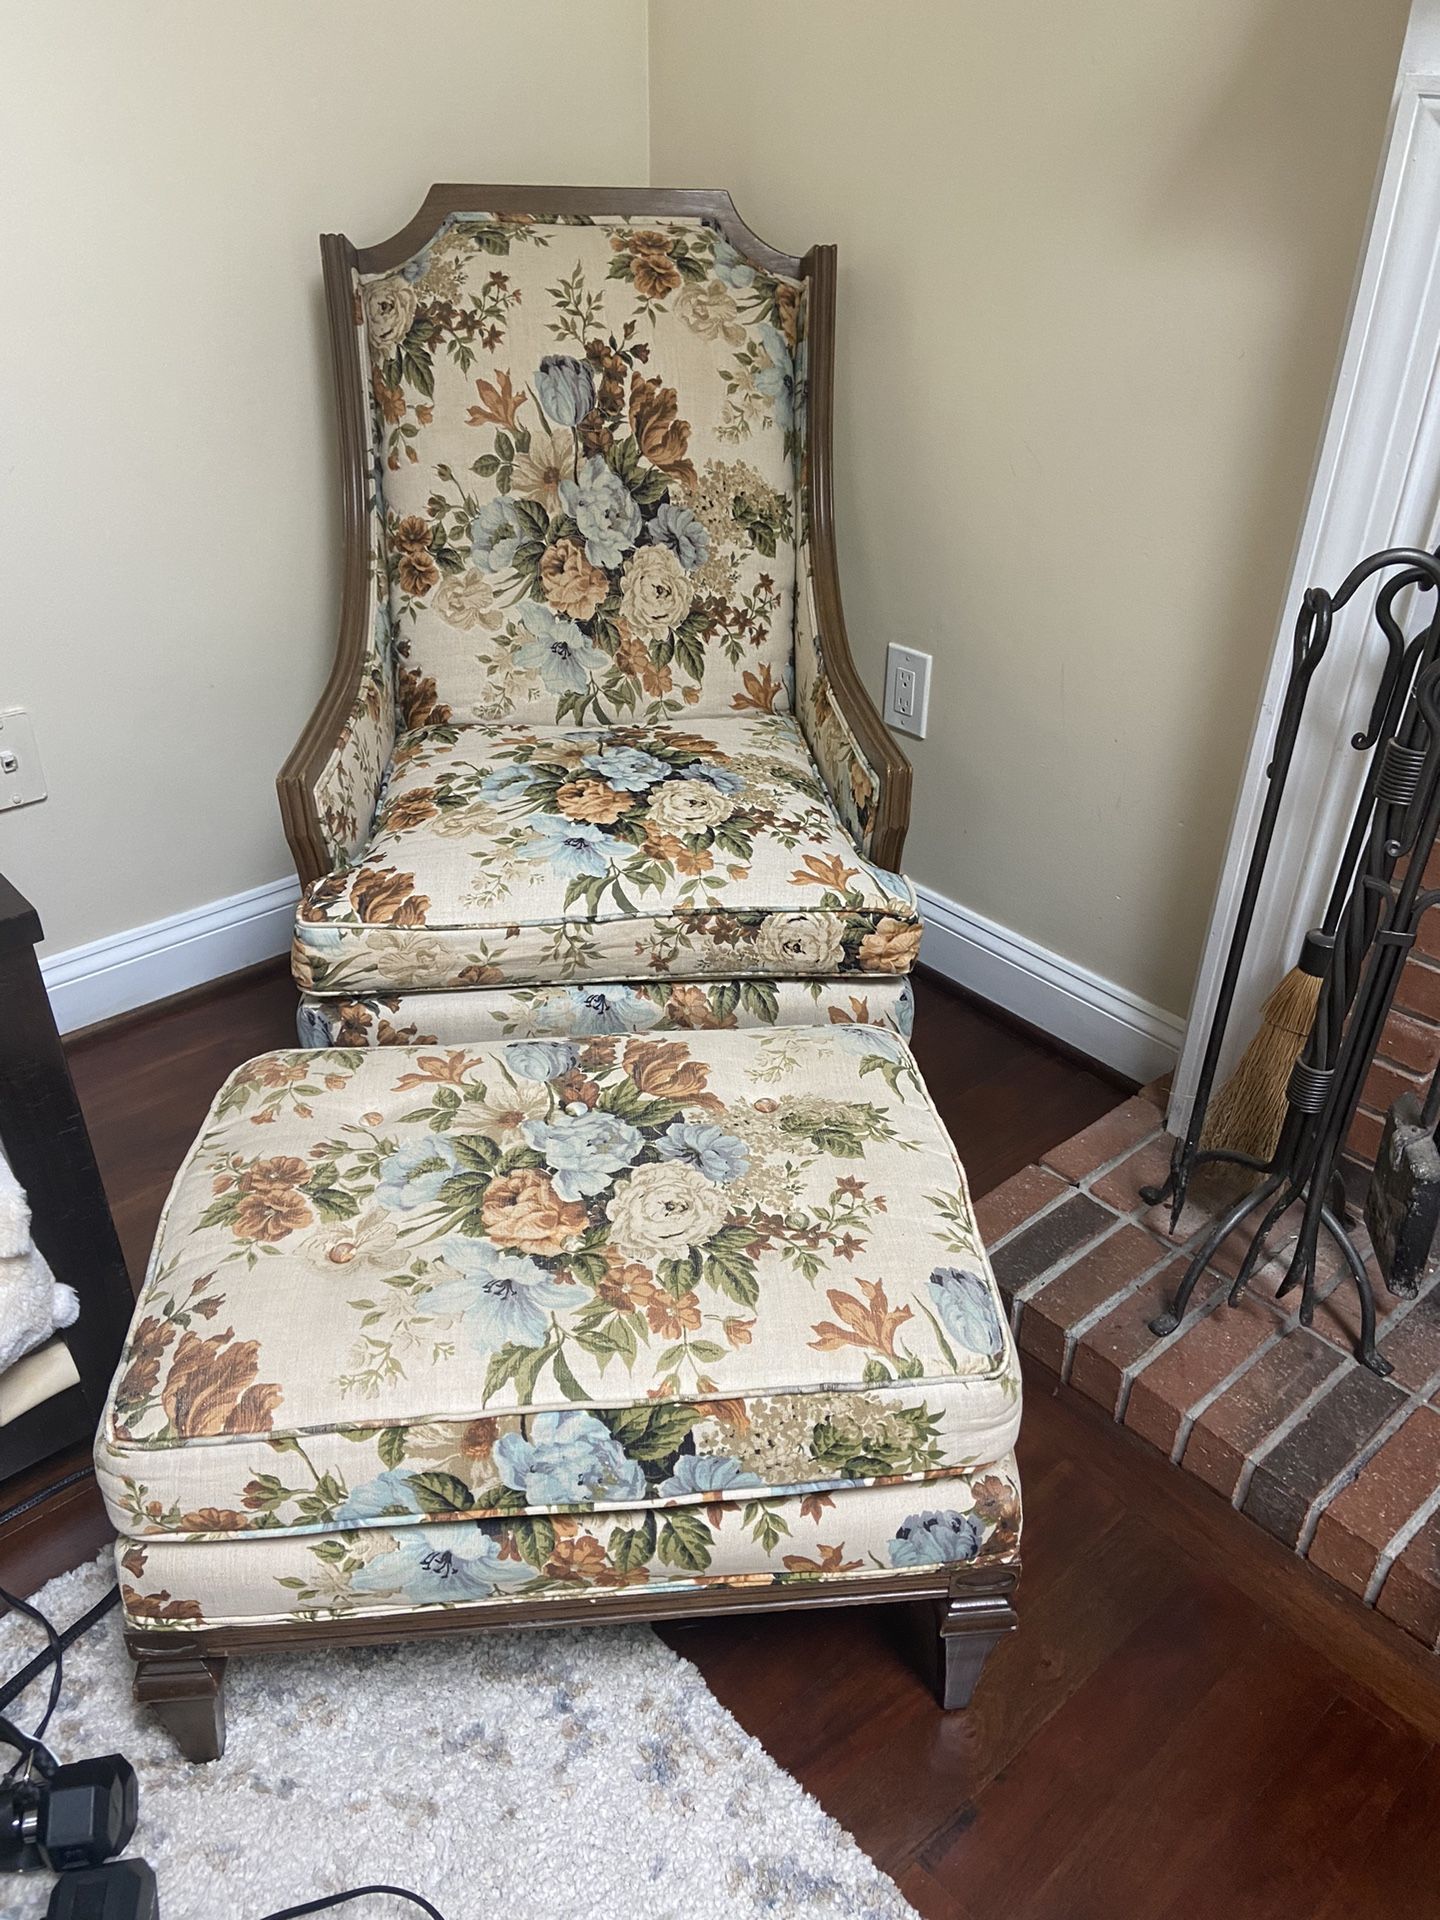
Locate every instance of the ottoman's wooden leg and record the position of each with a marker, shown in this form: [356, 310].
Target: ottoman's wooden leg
[187, 1691]
[971, 1622]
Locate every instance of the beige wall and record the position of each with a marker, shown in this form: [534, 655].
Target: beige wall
[1095, 262]
[168, 509]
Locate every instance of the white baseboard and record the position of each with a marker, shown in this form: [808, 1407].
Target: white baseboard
[126, 970]
[1093, 1015]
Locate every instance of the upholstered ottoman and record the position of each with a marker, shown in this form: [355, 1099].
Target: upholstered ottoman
[546, 1331]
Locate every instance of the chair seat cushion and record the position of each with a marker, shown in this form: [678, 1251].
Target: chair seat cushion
[466, 1014]
[400, 1288]
[517, 855]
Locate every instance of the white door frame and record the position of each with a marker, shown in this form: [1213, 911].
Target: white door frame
[1376, 484]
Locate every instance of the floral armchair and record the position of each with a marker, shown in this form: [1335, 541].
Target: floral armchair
[593, 755]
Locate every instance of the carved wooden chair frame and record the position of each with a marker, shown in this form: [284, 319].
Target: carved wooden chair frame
[342, 258]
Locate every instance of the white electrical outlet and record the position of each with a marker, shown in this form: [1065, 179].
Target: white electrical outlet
[907, 690]
[21, 778]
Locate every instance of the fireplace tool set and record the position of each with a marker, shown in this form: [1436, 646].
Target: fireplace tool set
[1357, 952]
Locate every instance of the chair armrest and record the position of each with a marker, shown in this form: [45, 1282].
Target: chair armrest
[330, 786]
[867, 774]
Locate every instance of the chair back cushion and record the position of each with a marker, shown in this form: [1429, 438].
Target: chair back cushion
[587, 470]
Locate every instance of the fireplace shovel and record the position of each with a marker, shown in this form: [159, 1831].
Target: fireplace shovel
[1402, 1208]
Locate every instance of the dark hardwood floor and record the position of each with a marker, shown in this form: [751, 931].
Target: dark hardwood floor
[1157, 1742]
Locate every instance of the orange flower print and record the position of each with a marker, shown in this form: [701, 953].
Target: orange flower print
[146, 1349]
[592, 800]
[858, 1016]
[651, 268]
[409, 810]
[672, 1318]
[211, 1387]
[690, 1007]
[891, 948]
[633, 657]
[579, 1559]
[570, 584]
[831, 871]
[270, 1213]
[663, 437]
[760, 691]
[522, 1210]
[499, 403]
[160, 1608]
[416, 571]
[413, 531]
[832, 1560]
[870, 1324]
[385, 898]
[664, 1067]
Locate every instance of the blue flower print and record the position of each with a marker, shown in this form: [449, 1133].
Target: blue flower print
[312, 1027]
[567, 1460]
[495, 533]
[458, 1563]
[687, 538]
[388, 1493]
[777, 381]
[705, 1473]
[506, 783]
[604, 510]
[730, 268]
[932, 1539]
[596, 1010]
[540, 1059]
[503, 1298]
[627, 768]
[574, 848]
[584, 1151]
[413, 1175]
[565, 388]
[559, 651]
[720, 1156]
[721, 778]
[967, 1308]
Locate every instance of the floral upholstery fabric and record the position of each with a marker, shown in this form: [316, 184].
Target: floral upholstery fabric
[519, 854]
[587, 436]
[527, 1281]
[802, 1540]
[602, 1006]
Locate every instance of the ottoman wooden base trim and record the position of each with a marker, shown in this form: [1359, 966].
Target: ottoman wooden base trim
[182, 1675]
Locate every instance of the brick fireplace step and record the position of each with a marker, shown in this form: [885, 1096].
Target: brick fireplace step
[1335, 1462]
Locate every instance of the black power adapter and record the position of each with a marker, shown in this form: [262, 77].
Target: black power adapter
[123, 1890]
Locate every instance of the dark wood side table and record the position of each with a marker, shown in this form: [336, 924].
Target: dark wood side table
[43, 1134]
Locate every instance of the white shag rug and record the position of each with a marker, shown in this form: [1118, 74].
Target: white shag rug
[508, 1776]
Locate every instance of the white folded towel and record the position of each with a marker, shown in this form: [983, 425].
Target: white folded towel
[33, 1303]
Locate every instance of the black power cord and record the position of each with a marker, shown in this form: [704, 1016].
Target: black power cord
[356, 1893]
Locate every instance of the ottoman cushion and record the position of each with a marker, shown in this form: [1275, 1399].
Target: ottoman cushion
[690, 1283]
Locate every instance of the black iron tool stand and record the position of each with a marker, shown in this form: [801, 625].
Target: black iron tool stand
[1357, 952]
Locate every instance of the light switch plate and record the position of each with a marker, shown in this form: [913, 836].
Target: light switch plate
[22, 779]
[907, 690]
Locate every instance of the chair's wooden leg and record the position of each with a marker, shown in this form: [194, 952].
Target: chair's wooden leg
[975, 1618]
[187, 1691]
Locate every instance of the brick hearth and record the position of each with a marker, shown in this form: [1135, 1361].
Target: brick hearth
[1280, 1420]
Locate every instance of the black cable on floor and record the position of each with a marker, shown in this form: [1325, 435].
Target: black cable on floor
[66, 1637]
[356, 1893]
